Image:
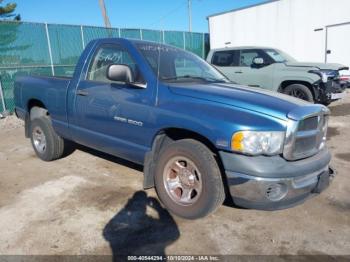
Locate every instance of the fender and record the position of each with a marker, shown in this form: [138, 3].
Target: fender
[151, 158]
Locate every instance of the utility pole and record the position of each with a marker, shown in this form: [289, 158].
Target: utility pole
[190, 15]
[104, 13]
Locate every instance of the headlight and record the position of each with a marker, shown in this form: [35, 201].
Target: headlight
[258, 143]
[323, 74]
[324, 77]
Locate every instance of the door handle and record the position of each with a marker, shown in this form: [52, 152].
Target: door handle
[82, 93]
[238, 72]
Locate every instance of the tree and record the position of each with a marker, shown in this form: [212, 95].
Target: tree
[8, 31]
[7, 12]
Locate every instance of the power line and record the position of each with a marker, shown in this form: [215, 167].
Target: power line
[169, 13]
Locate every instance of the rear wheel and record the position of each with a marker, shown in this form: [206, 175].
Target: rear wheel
[299, 91]
[188, 180]
[47, 144]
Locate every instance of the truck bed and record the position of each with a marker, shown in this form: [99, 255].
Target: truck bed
[51, 91]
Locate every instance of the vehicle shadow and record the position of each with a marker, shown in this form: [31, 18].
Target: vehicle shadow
[133, 231]
[108, 157]
[228, 200]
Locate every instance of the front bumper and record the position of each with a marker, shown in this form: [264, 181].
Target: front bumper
[275, 183]
[331, 91]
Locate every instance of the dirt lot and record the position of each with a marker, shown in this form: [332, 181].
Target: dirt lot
[90, 203]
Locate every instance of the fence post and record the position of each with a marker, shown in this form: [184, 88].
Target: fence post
[163, 37]
[4, 113]
[184, 38]
[141, 34]
[50, 50]
[82, 36]
[119, 32]
[203, 47]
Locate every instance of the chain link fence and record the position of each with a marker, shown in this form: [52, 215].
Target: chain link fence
[54, 49]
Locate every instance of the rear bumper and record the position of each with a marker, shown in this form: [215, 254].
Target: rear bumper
[284, 187]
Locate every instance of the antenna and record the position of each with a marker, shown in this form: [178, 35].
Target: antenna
[159, 61]
[190, 15]
[104, 13]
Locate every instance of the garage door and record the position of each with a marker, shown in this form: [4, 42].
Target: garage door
[338, 42]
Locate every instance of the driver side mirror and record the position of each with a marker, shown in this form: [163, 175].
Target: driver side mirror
[258, 61]
[120, 73]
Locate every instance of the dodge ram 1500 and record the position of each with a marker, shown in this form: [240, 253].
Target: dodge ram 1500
[199, 137]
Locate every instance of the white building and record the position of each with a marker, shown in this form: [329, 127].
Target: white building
[306, 29]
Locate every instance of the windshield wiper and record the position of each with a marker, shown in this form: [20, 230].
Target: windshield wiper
[207, 79]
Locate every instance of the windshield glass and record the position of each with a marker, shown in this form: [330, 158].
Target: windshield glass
[173, 64]
[279, 56]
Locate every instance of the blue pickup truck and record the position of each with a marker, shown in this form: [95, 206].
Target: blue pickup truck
[199, 137]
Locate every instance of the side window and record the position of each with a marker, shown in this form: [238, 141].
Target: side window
[226, 58]
[107, 55]
[247, 56]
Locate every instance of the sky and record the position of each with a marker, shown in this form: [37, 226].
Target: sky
[147, 14]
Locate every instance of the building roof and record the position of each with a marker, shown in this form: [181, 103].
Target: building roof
[242, 8]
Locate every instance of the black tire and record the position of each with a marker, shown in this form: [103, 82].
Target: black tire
[55, 145]
[326, 103]
[212, 190]
[299, 91]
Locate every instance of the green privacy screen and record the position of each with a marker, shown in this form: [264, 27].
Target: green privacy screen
[52, 49]
[23, 44]
[66, 44]
[91, 32]
[152, 35]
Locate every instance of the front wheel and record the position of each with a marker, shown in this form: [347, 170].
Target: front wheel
[299, 91]
[188, 180]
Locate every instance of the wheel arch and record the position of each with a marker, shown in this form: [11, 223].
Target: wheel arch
[286, 83]
[174, 133]
[166, 136]
[35, 109]
[35, 102]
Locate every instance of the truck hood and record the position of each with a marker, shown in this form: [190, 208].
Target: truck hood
[253, 99]
[321, 66]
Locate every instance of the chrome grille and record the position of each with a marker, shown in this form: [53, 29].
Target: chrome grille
[306, 134]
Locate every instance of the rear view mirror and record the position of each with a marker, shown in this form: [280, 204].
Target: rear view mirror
[120, 73]
[258, 61]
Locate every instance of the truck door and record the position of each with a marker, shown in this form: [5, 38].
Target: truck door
[227, 62]
[252, 75]
[238, 66]
[110, 116]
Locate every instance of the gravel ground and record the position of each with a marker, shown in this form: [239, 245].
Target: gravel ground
[92, 203]
[9, 123]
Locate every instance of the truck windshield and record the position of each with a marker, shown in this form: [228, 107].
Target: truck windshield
[279, 56]
[172, 64]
